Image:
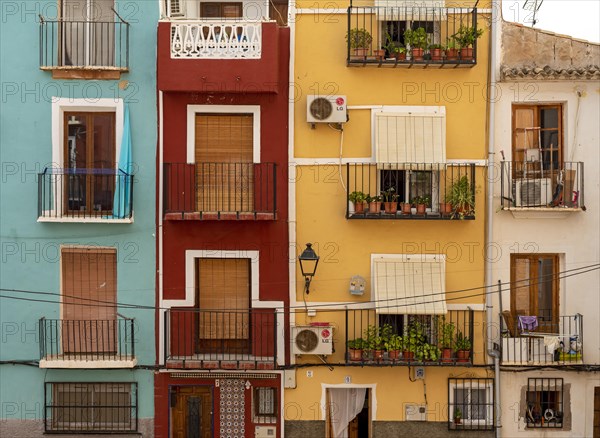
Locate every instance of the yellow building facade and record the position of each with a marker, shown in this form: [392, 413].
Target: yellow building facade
[413, 131]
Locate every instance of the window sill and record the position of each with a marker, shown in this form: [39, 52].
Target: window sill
[542, 212]
[87, 220]
[72, 72]
[88, 364]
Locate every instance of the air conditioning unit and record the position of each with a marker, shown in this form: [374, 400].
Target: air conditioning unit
[535, 192]
[312, 340]
[326, 109]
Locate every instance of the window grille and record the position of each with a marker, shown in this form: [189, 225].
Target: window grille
[471, 404]
[544, 403]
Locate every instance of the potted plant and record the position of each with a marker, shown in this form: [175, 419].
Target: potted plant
[462, 345]
[406, 208]
[413, 340]
[446, 336]
[465, 38]
[355, 349]
[446, 205]
[358, 199]
[393, 346]
[451, 50]
[360, 41]
[436, 51]
[376, 337]
[457, 415]
[374, 203]
[417, 40]
[422, 202]
[431, 353]
[390, 199]
[462, 197]
[395, 49]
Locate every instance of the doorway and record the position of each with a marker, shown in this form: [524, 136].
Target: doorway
[349, 412]
[191, 412]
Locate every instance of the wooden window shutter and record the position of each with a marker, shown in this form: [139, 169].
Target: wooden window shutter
[176, 8]
[524, 118]
[521, 279]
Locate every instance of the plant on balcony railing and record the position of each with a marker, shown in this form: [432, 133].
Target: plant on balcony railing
[462, 197]
[465, 38]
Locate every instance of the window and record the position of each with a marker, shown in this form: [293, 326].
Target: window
[471, 403]
[224, 305]
[544, 403]
[410, 185]
[221, 10]
[89, 274]
[265, 402]
[535, 288]
[90, 407]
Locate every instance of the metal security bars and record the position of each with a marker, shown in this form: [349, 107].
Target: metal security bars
[544, 403]
[206, 339]
[85, 194]
[560, 342]
[220, 190]
[537, 185]
[471, 404]
[387, 34]
[410, 191]
[90, 407]
[389, 339]
[87, 340]
[72, 44]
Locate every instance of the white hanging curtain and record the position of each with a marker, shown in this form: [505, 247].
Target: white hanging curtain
[344, 405]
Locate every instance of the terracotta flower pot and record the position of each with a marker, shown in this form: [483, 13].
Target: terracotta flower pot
[462, 355]
[355, 355]
[445, 208]
[359, 207]
[406, 208]
[417, 54]
[391, 207]
[466, 53]
[378, 355]
[394, 355]
[436, 54]
[421, 208]
[379, 54]
[400, 56]
[446, 354]
[408, 356]
[375, 207]
[360, 53]
[451, 55]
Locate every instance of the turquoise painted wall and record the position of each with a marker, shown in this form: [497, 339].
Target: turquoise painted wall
[30, 250]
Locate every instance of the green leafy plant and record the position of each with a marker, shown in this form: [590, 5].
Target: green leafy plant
[375, 198]
[376, 336]
[359, 38]
[357, 197]
[462, 342]
[389, 195]
[429, 352]
[466, 36]
[451, 44]
[414, 337]
[394, 343]
[416, 39]
[446, 332]
[392, 46]
[462, 197]
[457, 415]
[423, 200]
[355, 344]
[435, 47]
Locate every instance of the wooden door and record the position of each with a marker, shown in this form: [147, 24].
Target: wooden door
[89, 295]
[224, 304]
[596, 412]
[223, 155]
[191, 412]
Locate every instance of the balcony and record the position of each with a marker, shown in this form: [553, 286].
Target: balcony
[422, 191]
[552, 342]
[74, 49]
[378, 36]
[220, 191]
[85, 195]
[389, 339]
[206, 339]
[233, 56]
[548, 188]
[106, 343]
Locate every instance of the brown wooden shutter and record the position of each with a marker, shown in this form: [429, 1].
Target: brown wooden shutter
[224, 298]
[521, 287]
[223, 155]
[88, 275]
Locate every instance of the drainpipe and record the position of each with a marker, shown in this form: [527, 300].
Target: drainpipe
[489, 212]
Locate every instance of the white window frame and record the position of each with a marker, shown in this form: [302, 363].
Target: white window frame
[192, 110]
[489, 411]
[435, 179]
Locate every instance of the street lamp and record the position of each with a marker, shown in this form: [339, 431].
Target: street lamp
[308, 265]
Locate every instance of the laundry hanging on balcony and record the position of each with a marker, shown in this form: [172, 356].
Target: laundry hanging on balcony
[122, 199]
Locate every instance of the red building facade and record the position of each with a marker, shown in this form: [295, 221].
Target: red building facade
[222, 234]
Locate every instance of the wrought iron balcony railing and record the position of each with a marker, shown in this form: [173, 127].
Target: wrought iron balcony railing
[540, 185]
[208, 339]
[413, 36]
[386, 339]
[73, 44]
[551, 341]
[74, 194]
[410, 191]
[209, 191]
[66, 343]
[216, 40]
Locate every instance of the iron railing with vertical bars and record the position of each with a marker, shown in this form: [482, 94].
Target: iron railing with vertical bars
[389, 339]
[380, 35]
[87, 340]
[410, 191]
[73, 44]
[85, 194]
[535, 185]
[544, 403]
[207, 339]
[471, 404]
[90, 407]
[220, 190]
[553, 342]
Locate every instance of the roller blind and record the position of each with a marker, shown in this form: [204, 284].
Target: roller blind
[410, 137]
[412, 285]
[419, 10]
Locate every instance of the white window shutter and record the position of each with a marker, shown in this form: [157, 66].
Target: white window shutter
[176, 8]
[419, 10]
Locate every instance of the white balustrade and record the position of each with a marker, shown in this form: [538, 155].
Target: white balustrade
[216, 40]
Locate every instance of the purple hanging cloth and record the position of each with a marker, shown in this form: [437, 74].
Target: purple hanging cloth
[527, 323]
